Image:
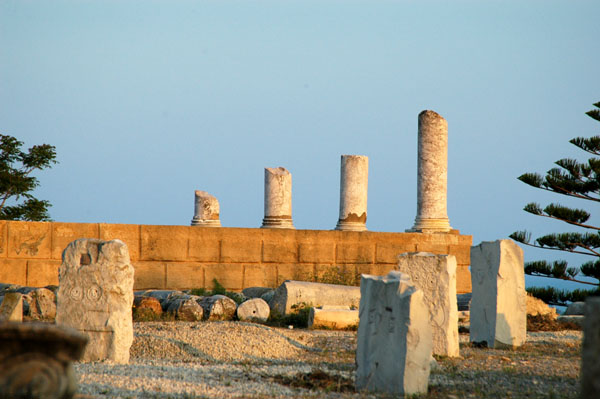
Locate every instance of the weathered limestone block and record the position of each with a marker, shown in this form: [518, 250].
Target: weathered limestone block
[432, 174]
[11, 308]
[435, 276]
[254, 309]
[394, 341]
[186, 308]
[206, 210]
[95, 297]
[354, 180]
[590, 352]
[291, 293]
[499, 303]
[147, 305]
[334, 317]
[218, 307]
[42, 305]
[35, 360]
[278, 199]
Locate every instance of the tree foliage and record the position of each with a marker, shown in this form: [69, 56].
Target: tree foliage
[16, 182]
[575, 179]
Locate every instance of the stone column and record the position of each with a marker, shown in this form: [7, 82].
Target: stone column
[432, 174]
[206, 210]
[278, 199]
[354, 179]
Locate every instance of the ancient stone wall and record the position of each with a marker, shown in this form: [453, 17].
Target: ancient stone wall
[182, 257]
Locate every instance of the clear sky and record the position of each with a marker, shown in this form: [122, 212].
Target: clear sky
[147, 101]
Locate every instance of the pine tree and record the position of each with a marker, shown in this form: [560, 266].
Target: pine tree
[572, 179]
[16, 182]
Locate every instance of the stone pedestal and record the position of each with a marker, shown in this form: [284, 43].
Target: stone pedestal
[590, 353]
[206, 210]
[394, 336]
[278, 199]
[95, 296]
[499, 302]
[435, 276]
[354, 180]
[432, 174]
[35, 360]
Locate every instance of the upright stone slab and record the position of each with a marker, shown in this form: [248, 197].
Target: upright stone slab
[499, 302]
[435, 276]
[354, 180]
[394, 339]
[590, 353]
[11, 308]
[95, 296]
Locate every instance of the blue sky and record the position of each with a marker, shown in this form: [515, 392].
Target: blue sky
[147, 101]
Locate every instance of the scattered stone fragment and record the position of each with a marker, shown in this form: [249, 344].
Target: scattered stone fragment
[186, 308]
[590, 351]
[11, 308]
[35, 360]
[147, 304]
[334, 317]
[578, 320]
[394, 342]
[254, 309]
[575, 309]
[435, 276]
[499, 304]
[268, 296]
[95, 296]
[255, 292]
[291, 293]
[218, 307]
[42, 305]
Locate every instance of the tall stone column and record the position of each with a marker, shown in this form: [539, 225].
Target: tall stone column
[206, 210]
[432, 174]
[278, 199]
[354, 180]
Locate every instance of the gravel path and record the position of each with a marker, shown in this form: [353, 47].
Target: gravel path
[244, 360]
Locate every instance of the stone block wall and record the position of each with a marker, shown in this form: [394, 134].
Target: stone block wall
[182, 257]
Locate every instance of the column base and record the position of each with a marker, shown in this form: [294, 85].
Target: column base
[205, 223]
[350, 226]
[271, 222]
[431, 225]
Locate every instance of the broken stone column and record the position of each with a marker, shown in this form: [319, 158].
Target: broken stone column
[432, 174]
[499, 302]
[206, 210]
[590, 353]
[435, 276]
[334, 317]
[291, 293]
[394, 339]
[95, 296]
[278, 199]
[354, 179]
[35, 360]
[254, 309]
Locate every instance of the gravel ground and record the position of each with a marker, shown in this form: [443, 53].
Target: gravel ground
[244, 360]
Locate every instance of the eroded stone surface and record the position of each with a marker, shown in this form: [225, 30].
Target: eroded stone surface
[255, 309]
[435, 276]
[334, 317]
[11, 308]
[394, 341]
[499, 303]
[218, 307]
[278, 198]
[42, 305]
[590, 353]
[206, 210]
[354, 180]
[432, 174]
[95, 297]
[186, 308]
[292, 292]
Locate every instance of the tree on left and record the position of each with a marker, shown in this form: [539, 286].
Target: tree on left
[16, 182]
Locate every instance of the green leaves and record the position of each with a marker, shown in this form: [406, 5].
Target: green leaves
[16, 181]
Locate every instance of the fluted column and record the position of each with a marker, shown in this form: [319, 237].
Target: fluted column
[432, 174]
[206, 210]
[278, 199]
[354, 180]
